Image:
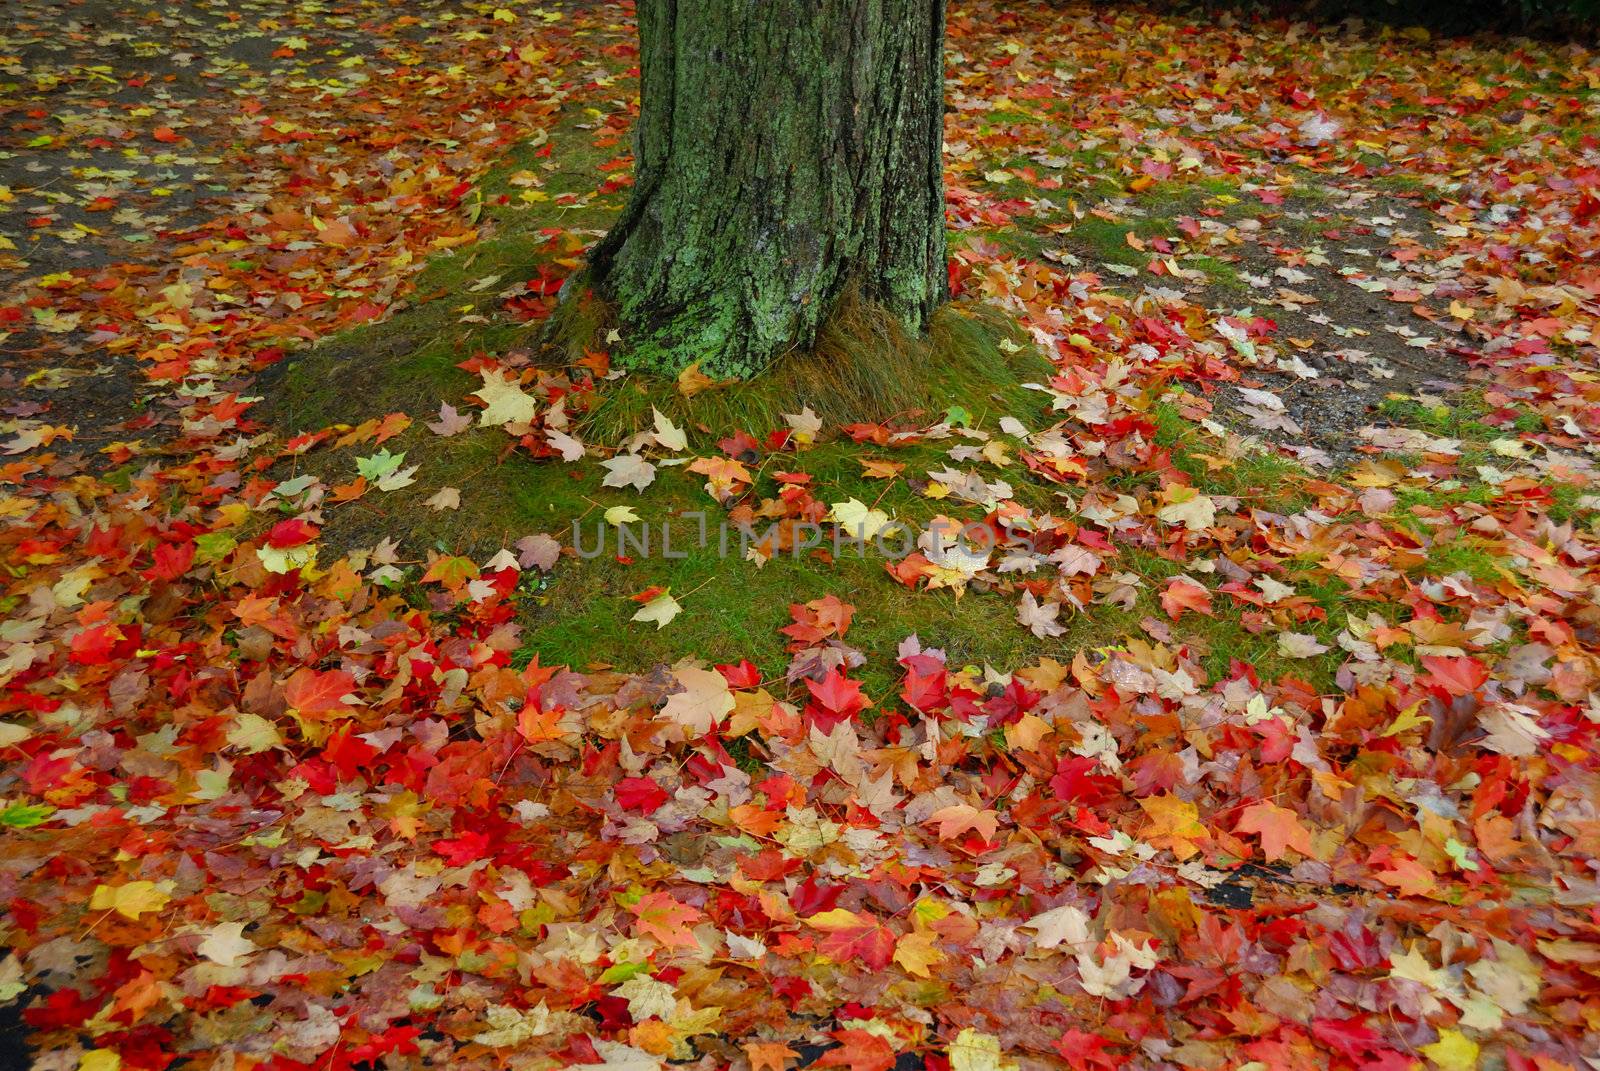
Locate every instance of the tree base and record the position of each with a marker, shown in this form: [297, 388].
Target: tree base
[865, 367]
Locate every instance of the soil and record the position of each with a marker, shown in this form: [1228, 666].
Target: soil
[1349, 347]
[116, 142]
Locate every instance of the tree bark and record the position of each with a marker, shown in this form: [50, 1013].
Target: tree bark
[786, 150]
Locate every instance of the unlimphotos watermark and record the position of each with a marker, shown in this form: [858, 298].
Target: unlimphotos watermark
[693, 532]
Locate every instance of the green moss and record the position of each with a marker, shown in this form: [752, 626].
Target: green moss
[733, 609]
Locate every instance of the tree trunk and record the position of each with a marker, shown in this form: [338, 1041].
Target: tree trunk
[786, 150]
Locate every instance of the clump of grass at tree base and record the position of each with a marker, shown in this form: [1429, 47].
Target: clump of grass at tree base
[863, 367]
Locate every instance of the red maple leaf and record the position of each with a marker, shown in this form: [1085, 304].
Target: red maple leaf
[835, 700]
[311, 692]
[640, 794]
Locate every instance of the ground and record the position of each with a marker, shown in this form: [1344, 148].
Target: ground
[1257, 731]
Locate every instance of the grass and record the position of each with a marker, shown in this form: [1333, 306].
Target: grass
[1154, 213]
[863, 368]
[1264, 478]
[733, 609]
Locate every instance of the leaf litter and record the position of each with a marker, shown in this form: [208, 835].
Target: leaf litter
[273, 805]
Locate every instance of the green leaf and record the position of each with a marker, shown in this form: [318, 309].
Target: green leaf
[379, 465]
[26, 815]
[621, 972]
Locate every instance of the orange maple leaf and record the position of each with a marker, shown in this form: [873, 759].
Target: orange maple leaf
[768, 1055]
[666, 920]
[958, 818]
[1181, 595]
[1279, 828]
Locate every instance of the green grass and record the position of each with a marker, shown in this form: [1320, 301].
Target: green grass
[733, 609]
[863, 368]
[1261, 477]
[1107, 242]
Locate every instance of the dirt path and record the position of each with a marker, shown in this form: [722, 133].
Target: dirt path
[127, 126]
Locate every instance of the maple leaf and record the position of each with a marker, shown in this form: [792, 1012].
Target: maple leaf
[667, 434]
[660, 610]
[1350, 1036]
[538, 551]
[1182, 594]
[1408, 876]
[917, 953]
[834, 699]
[1066, 924]
[858, 1050]
[641, 794]
[818, 619]
[973, 1050]
[537, 724]
[1512, 730]
[628, 470]
[1280, 829]
[1086, 1052]
[768, 1055]
[851, 936]
[505, 403]
[569, 448]
[1039, 619]
[226, 944]
[805, 424]
[445, 498]
[960, 818]
[450, 422]
[860, 521]
[311, 692]
[704, 700]
[131, 899]
[692, 381]
[252, 733]
[665, 919]
[1454, 1051]
[1174, 823]
[1455, 676]
[380, 465]
[1299, 645]
[1187, 507]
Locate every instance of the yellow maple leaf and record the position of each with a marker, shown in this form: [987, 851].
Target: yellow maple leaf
[504, 400]
[916, 953]
[973, 1050]
[1454, 1051]
[1175, 824]
[131, 900]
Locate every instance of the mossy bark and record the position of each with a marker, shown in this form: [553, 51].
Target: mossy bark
[786, 150]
